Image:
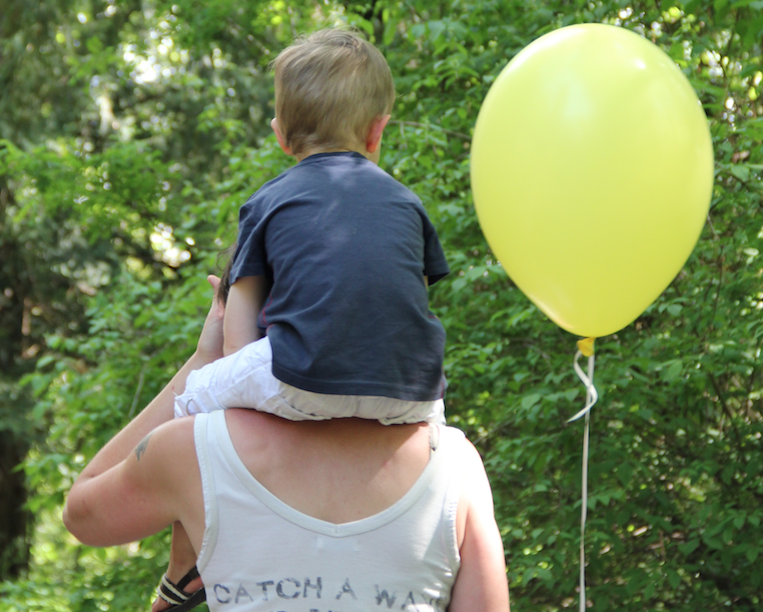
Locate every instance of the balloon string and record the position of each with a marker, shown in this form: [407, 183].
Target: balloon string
[591, 397]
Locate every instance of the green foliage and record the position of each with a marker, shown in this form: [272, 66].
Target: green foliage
[167, 103]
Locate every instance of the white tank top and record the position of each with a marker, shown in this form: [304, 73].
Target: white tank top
[260, 555]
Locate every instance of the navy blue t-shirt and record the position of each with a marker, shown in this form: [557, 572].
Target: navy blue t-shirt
[345, 248]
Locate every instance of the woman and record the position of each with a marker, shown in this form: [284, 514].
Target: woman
[305, 516]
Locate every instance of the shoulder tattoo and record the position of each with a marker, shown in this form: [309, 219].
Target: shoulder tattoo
[141, 448]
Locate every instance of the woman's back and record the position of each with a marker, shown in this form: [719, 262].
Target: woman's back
[336, 520]
[339, 470]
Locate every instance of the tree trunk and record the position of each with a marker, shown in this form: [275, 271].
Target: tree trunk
[14, 518]
[14, 425]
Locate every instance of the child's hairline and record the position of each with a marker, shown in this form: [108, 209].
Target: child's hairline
[372, 55]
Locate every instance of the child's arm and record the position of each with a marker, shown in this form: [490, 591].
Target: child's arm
[245, 300]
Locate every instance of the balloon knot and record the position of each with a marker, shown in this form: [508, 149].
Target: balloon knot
[585, 346]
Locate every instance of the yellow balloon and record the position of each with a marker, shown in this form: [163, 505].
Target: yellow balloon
[592, 173]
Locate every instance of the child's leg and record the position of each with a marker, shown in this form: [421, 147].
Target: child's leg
[245, 380]
[182, 561]
[241, 380]
[227, 383]
[230, 382]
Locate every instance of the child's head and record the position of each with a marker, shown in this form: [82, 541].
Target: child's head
[330, 87]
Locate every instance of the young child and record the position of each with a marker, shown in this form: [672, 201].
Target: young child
[328, 313]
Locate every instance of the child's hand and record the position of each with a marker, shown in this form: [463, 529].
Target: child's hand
[210, 345]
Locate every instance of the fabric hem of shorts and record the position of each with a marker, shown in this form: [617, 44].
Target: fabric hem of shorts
[353, 388]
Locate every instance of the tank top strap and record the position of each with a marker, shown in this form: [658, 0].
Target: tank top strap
[450, 446]
[205, 428]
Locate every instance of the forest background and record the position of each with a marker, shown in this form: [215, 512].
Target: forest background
[132, 130]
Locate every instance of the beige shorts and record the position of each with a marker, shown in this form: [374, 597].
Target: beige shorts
[245, 380]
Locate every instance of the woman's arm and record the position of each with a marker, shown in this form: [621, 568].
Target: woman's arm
[481, 582]
[142, 494]
[128, 466]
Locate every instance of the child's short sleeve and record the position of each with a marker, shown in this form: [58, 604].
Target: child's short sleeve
[435, 264]
[250, 258]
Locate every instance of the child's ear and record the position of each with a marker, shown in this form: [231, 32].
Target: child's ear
[281, 142]
[373, 140]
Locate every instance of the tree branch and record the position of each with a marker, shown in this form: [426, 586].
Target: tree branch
[433, 126]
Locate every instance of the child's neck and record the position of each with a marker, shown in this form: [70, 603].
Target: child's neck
[348, 149]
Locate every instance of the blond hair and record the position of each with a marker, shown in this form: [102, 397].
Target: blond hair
[330, 87]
